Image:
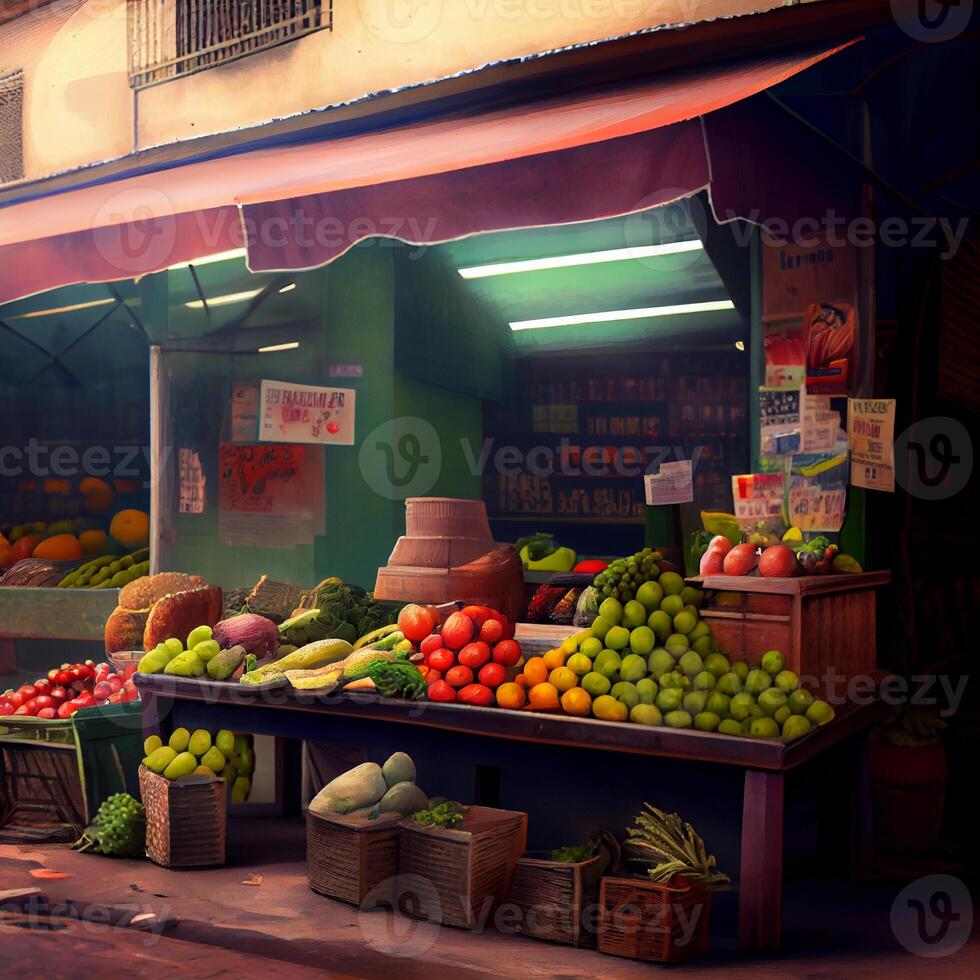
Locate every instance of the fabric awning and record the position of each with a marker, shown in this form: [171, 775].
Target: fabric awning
[573, 158]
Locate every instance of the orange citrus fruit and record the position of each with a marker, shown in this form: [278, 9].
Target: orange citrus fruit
[98, 495]
[576, 701]
[520, 680]
[59, 547]
[535, 671]
[555, 658]
[563, 678]
[510, 695]
[93, 542]
[131, 528]
[543, 697]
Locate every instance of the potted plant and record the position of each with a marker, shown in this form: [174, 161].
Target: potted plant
[907, 763]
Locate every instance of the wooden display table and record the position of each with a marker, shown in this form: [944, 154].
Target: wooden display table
[172, 702]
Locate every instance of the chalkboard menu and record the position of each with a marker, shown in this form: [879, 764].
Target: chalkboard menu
[573, 446]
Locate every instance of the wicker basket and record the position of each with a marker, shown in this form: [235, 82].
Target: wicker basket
[554, 898]
[456, 877]
[656, 922]
[353, 859]
[185, 820]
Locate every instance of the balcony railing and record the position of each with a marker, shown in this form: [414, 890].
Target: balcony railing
[170, 38]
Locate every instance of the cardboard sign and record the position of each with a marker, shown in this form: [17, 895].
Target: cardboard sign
[757, 497]
[674, 484]
[871, 436]
[305, 413]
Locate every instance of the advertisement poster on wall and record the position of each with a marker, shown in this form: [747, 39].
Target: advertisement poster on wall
[306, 414]
[871, 435]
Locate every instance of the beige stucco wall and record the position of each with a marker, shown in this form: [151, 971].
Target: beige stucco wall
[79, 108]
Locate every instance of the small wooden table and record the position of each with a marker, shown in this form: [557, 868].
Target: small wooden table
[172, 702]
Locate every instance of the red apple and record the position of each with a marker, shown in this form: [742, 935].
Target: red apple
[778, 561]
[712, 563]
[741, 560]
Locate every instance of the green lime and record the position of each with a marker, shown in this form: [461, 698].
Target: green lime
[661, 624]
[691, 663]
[684, 622]
[773, 662]
[174, 645]
[659, 662]
[596, 684]
[716, 663]
[718, 703]
[764, 728]
[579, 663]
[730, 727]
[626, 692]
[704, 681]
[782, 715]
[642, 640]
[701, 630]
[741, 705]
[607, 663]
[757, 711]
[678, 719]
[795, 725]
[633, 667]
[672, 584]
[757, 681]
[799, 701]
[692, 596]
[674, 679]
[600, 627]
[650, 594]
[591, 646]
[618, 638]
[704, 645]
[787, 681]
[771, 700]
[729, 684]
[819, 713]
[611, 610]
[672, 605]
[646, 688]
[741, 668]
[669, 700]
[634, 614]
[694, 701]
[646, 714]
[706, 721]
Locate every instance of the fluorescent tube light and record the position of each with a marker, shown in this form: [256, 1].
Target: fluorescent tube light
[288, 288]
[582, 258]
[292, 345]
[233, 253]
[198, 304]
[612, 315]
[64, 309]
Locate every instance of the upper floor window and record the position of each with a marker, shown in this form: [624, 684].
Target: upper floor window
[170, 38]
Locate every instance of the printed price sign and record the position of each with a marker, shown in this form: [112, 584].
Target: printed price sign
[672, 485]
[871, 435]
[304, 413]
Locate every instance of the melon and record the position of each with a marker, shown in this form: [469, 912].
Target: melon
[404, 798]
[399, 769]
[360, 787]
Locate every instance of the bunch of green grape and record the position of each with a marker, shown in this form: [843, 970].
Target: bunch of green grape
[119, 828]
[625, 575]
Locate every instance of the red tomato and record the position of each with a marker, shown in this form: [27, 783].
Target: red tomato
[457, 631]
[43, 686]
[42, 701]
[441, 691]
[83, 700]
[47, 713]
[507, 652]
[459, 676]
[431, 676]
[24, 710]
[52, 674]
[416, 622]
[6, 708]
[432, 642]
[27, 691]
[492, 631]
[442, 659]
[59, 694]
[479, 614]
[66, 710]
[102, 672]
[102, 690]
[478, 694]
[492, 674]
[63, 678]
[474, 655]
[115, 682]
[16, 699]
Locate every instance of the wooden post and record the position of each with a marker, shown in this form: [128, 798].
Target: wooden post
[760, 883]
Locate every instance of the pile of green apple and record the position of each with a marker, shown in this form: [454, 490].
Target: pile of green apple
[654, 661]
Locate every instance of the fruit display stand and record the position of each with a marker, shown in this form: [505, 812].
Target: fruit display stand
[55, 774]
[51, 614]
[170, 702]
[821, 623]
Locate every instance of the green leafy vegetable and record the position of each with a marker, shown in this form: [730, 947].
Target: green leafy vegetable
[446, 814]
[119, 828]
[397, 679]
[342, 611]
[572, 855]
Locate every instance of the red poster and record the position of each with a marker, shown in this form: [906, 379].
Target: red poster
[260, 479]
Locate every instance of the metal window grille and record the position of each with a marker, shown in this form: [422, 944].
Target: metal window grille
[11, 126]
[170, 38]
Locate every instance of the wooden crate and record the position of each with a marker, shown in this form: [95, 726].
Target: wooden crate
[353, 859]
[457, 877]
[819, 622]
[654, 922]
[185, 820]
[553, 896]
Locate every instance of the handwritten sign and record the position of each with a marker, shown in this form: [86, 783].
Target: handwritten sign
[757, 497]
[871, 435]
[304, 413]
[674, 484]
[258, 479]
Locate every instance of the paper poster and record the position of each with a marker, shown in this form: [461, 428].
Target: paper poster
[259, 479]
[820, 424]
[191, 482]
[306, 414]
[780, 421]
[244, 412]
[871, 436]
[757, 497]
[794, 276]
[817, 498]
[674, 484]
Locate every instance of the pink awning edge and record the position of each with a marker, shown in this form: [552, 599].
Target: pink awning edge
[431, 170]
